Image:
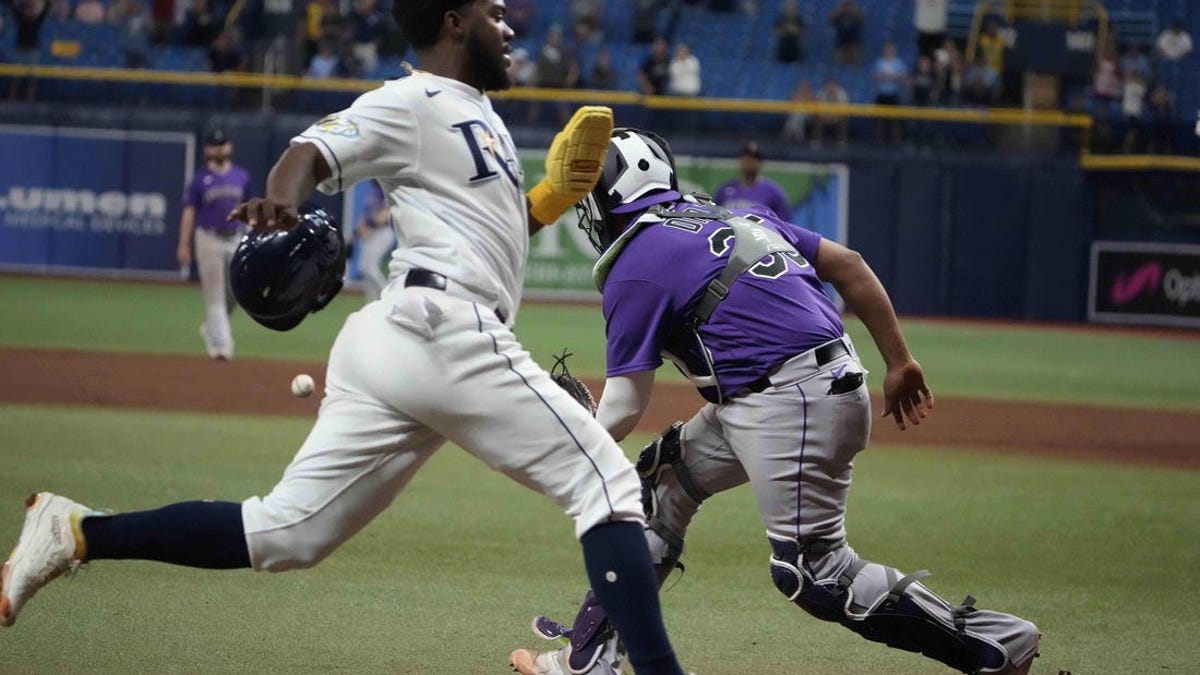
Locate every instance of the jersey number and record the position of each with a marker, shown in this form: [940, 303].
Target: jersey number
[770, 267]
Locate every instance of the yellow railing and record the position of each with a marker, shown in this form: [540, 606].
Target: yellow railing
[987, 116]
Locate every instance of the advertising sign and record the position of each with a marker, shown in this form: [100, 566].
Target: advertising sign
[92, 200]
[1145, 283]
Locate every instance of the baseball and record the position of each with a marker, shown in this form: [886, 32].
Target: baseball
[302, 385]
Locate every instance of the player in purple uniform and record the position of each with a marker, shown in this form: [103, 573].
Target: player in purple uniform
[752, 188]
[735, 299]
[210, 197]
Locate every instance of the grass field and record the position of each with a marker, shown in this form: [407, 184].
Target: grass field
[1102, 557]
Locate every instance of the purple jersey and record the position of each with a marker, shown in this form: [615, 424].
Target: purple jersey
[214, 195]
[765, 192]
[773, 312]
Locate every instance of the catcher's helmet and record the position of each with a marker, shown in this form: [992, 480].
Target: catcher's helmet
[279, 276]
[639, 172]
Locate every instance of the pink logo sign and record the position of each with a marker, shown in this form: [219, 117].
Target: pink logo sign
[1127, 287]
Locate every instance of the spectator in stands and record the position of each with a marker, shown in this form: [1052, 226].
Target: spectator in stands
[981, 83]
[683, 73]
[162, 20]
[226, 52]
[645, 20]
[847, 21]
[89, 12]
[590, 12]
[929, 18]
[1133, 103]
[1136, 62]
[272, 47]
[949, 69]
[795, 127]
[992, 45]
[890, 75]
[201, 24]
[29, 17]
[1173, 45]
[130, 17]
[1160, 121]
[1106, 83]
[924, 79]
[518, 14]
[584, 34]
[366, 27]
[789, 33]
[603, 76]
[322, 23]
[655, 72]
[832, 92]
[521, 70]
[325, 63]
[557, 68]
[752, 188]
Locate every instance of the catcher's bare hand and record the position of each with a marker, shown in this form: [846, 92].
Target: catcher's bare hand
[905, 394]
[264, 213]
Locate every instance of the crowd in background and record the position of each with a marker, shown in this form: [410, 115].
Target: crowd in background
[1131, 93]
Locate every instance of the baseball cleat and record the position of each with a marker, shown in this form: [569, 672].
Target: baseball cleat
[51, 543]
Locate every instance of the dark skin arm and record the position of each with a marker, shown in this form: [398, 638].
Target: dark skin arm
[905, 393]
[292, 180]
[534, 224]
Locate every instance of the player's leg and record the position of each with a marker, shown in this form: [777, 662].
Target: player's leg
[357, 458]
[214, 271]
[797, 441]
[502, 407]
[686, 465]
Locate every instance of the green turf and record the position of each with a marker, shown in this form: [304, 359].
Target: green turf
[1103, 558]
[988, 361]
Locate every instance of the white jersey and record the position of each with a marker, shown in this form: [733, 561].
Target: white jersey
[450, 171]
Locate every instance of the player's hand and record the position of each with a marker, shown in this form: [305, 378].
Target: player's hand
[573, 164]
[264, 213]
[184, 255]
[905, 394]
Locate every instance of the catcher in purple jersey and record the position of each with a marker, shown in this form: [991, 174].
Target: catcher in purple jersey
[734, 299]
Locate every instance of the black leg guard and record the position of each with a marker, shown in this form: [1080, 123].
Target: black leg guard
[872, 601]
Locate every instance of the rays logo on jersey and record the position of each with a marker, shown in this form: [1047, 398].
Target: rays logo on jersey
[491, 154]
[337, 125]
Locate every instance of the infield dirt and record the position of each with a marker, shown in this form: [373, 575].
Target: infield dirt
[254, 387]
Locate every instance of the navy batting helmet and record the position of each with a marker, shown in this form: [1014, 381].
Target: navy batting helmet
[280, 276]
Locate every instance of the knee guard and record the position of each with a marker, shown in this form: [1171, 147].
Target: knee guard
[880, 605]
[665, 452]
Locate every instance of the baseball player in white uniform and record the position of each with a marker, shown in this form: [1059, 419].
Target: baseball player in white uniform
[376, 240]
[434, 360]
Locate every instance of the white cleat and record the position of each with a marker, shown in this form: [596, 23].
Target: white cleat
[51, 543]
[529, 662]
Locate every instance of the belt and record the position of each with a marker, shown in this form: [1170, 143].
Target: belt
[825, 354]
[424, 278]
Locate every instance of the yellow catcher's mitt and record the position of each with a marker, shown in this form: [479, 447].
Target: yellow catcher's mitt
[573, 164]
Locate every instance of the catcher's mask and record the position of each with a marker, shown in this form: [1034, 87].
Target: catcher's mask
[280, 276]
[639, 172]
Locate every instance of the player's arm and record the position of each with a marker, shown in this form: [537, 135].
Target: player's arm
[624, 401]
[573, 165]
[187, 227]
[904, 390]
[292, 180]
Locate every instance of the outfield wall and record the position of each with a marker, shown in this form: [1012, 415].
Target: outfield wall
[958, 235]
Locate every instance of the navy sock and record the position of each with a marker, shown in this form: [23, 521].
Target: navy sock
[194, 534]
[618, 565]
